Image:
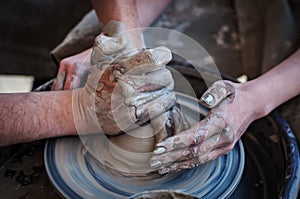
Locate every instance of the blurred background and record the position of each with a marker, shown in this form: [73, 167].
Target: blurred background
[29, 30]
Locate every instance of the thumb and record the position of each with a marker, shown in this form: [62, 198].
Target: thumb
[161, 54]
[219, 91]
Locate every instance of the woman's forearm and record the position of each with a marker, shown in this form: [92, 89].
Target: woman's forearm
[277, 86]
[31, 116]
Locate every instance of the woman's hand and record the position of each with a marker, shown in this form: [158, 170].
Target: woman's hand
[232, 110]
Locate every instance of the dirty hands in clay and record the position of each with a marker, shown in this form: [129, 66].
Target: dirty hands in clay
[126, 87]
[232, 110]
[72, 70]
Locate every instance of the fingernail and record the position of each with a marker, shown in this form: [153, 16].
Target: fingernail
[193, 165]
[155, 163]
[168, 123]
[164, 170]
[208, 99]
[226, 129]
[162, 55]
[159, 150]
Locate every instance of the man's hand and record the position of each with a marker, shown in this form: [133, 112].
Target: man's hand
[233, 109]
[72, 70]
[126, 88]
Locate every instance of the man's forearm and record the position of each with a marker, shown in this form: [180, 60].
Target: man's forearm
[31, 116]
[148, 11]
[119, 10]
[133, 14]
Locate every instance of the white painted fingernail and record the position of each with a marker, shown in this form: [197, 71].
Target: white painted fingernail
[164, 171]
[159, 150]
[226, 129]
[156, 163]
[193, 165]
[168, 123]
[208, 99]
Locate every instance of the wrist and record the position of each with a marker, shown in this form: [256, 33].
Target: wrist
[119, 28]
[258, 103]
[83, 110]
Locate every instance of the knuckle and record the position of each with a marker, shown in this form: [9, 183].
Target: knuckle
[229, 148]
[203, 159]
[63, 63]
[195, 151]
[218, 83]
[188, 154]
[193, 163]
[218, 86]
[229, 137]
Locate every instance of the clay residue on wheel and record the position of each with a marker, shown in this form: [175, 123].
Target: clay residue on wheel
[163, 194]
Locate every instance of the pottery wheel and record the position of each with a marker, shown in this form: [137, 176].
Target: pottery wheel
[76, 173]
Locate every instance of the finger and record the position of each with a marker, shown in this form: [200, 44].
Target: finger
[106, 49]
[169, 124]
[59, 81]
[147, 60]
[139, 99]
[68, 81]
[129, 116]
[189, 164]
[211, 125]
[179, 122]
[54, 86]
[70, 72]
[76, 82]
[224, 139]
[162, 126]
[146, 83]
[216, 93]
[79, 79]
[154, 108]
[183, 140]
[184, 154]
[161, 54]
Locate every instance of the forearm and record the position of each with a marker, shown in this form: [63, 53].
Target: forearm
[148, 11]
[134, 14]
[277, 86]
[131, 12]
[31, 116]
[120, 10]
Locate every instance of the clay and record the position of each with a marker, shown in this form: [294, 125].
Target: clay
[134, 100]
[129, 153]
[168, 194]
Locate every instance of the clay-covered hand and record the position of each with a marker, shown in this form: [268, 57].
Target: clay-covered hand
[169, 124]
[232, 110]
[72, 70]
[126, 88]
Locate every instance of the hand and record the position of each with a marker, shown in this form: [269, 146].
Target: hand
[72, 70]
[169, 124]
[233, 109]
[126, 88]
